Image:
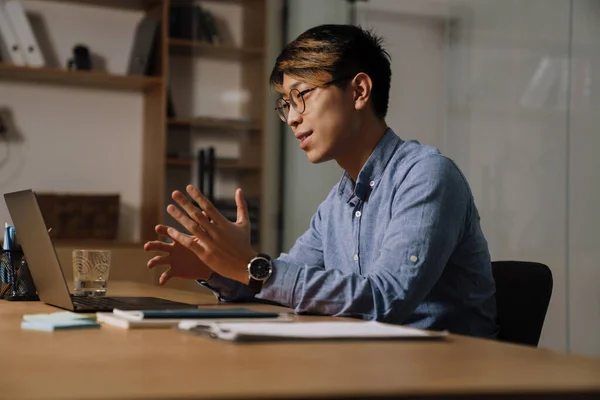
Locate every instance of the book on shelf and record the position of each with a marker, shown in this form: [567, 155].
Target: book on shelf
[10, 49]
[145, 46]
[193, 22]
[18, 40]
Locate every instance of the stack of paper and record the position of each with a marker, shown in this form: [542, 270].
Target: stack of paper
[171, 318]
[307, 331]
[58, 321]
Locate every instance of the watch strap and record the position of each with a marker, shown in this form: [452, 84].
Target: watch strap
[255, 285]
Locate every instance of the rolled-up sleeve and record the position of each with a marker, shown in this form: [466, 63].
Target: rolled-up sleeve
[429, 210]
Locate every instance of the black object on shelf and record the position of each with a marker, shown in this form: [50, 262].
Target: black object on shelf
[81, 59]
[192, 22]
[170, 105]
[210, 190]
[142, 60]
[201, 166]
[206, 172]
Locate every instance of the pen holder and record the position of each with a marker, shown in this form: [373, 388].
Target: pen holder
[16, 283]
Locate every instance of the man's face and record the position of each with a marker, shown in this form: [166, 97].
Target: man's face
[323, 128]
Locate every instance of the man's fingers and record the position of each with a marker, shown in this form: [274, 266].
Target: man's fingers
[165, 277]
[189, 224]
[161, 230]
[242, 207]
[157, 245]
[208, 208]
[187, 241]
[192, 211]
[159, 260]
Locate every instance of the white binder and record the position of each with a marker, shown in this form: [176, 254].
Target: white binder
[10, 50]
[22, 28]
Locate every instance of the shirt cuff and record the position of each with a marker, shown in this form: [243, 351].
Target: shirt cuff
[280, 287]
[227, 290]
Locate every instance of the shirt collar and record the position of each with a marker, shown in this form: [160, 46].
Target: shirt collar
[371, 172]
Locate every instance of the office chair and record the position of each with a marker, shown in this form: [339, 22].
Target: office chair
[523, 291]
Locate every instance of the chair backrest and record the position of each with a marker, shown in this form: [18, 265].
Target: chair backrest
[523, 291]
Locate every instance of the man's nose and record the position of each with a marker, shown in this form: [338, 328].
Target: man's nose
[294, 117]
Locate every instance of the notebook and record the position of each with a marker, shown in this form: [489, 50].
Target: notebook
[167, 319]
[195, 313]
[50, 326]
[259, 331]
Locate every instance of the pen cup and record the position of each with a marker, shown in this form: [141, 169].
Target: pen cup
[16, 283]
[90, 272]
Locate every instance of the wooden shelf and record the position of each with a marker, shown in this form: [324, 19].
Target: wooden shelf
[204, 49]
[64, 77]
[179, 162]
[222, 164]
[242, 2]
[119, 4]
[214, 123]
[236, 166]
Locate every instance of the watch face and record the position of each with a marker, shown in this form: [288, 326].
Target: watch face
[260, 268]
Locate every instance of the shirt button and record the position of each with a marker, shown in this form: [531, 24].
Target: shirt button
[355, 257]
[372, 183]
[357, 214]
[414, 258]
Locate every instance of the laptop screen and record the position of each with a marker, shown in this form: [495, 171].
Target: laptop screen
[32, 234]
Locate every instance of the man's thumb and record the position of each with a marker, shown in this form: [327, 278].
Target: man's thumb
[242, 207]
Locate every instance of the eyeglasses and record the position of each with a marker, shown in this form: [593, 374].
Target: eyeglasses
[296, 99]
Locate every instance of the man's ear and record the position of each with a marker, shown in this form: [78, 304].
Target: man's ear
[362, 86]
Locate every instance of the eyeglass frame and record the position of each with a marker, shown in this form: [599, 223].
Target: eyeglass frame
[301, 95]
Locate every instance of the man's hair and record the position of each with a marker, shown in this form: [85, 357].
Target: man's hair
[328, 52]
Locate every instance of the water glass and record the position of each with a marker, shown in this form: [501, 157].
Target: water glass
[90, 272]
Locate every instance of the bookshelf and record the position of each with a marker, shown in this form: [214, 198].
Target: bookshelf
[244, 53]
[247, 54]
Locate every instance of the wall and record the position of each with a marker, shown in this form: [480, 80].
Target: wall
[71, 139]
[509, 135]
[306, 185]
[583, 273]
[415, 38]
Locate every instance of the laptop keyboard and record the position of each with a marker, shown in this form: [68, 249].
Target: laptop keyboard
[107, 303]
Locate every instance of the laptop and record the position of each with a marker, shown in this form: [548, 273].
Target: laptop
[45, 267]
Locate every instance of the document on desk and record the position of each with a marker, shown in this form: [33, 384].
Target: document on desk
[261, 331]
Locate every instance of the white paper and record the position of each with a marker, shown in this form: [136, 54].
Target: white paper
[317, 330]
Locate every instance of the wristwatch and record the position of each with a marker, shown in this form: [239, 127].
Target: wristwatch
[260, 269]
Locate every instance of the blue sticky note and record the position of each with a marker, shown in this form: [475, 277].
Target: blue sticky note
[50, 326]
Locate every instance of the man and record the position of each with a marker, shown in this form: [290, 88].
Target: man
[397, 240]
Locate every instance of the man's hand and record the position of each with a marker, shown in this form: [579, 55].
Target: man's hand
[222, 245]
[183, 263]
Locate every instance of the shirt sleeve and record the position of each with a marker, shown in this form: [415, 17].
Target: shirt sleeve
[308, 250]
[430, 208]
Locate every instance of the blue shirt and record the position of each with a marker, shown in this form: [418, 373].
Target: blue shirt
[402, 245]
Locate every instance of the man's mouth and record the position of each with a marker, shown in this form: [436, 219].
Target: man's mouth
[303, 136]
[304, 139]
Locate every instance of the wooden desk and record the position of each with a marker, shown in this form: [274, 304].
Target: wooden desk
[111, 363]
